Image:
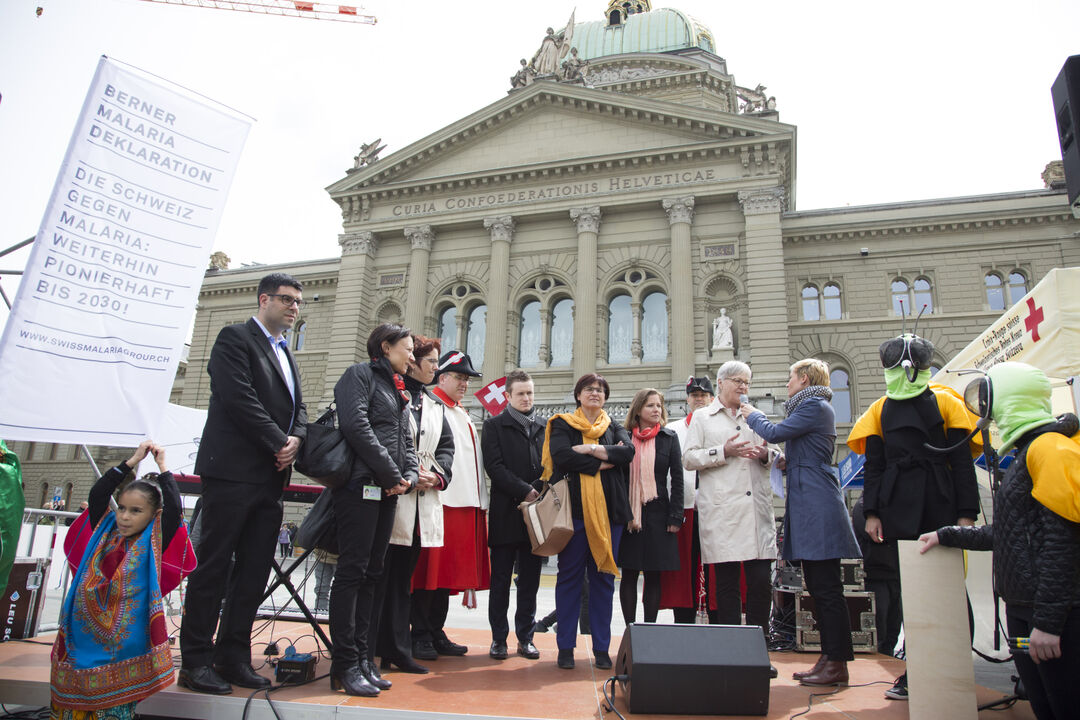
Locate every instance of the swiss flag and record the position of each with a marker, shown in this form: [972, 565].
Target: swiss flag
[493, 396]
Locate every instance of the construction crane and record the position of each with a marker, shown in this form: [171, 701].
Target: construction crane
[285, 8]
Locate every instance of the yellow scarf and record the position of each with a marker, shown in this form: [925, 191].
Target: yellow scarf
[593, 503]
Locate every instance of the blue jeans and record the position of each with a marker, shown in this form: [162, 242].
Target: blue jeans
[574, 562]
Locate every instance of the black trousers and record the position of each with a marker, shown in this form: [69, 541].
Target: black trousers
[240, 519]
[395, 639]
[889, 614]
[363, 528]
[825, 581]
[689, 615]
[427, 614]
[1051, 686]
[503, 558]
[758, 593]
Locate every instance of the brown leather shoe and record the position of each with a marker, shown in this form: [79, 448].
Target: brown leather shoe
[817, 666]
[833, 672]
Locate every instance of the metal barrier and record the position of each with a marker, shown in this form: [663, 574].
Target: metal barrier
[42, 536]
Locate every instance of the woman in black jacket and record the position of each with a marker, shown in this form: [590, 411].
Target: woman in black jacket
[591, 455]
[650, 542]
[373, 413]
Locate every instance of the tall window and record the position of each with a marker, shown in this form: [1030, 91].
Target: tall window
[301, 335]
[810, 309]
[995, 292]
[901, 299]
[474, 335]
[841, 398]
[833, 308]
[529, 338]
[654, 327]
[914, 296]
[620, 329]
[822, 304]
[448, 328]
[1017, 287]
[562, 333]
[924, 296]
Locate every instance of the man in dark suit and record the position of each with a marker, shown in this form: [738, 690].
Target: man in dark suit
[254, 427]
[511, 446]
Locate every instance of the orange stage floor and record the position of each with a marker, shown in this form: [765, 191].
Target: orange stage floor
[478, 687]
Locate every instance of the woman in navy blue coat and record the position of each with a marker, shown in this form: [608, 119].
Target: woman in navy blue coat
[817, 529]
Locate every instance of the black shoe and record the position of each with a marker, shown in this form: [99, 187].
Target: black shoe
[242, 674]
[773, 672]
[445, 646]
[371, 674]
[566, 658]
[899, 689]
[353, 682]
[540, 627]
[498, 650]
[203, 679]
[601, 660]
[528, 650]
[407, 665]
[424, 650]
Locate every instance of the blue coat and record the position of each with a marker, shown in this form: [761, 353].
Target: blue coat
[816, 522]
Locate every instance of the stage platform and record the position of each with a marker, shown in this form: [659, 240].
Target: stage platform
[475, 686]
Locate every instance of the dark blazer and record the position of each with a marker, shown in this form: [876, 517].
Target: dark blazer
[668, 469]
[251, 413]
[512, 461]
[614, 481]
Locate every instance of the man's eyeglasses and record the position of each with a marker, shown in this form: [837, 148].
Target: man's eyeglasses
[288, 300]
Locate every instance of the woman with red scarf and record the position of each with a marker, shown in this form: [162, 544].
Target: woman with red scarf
[650, 543]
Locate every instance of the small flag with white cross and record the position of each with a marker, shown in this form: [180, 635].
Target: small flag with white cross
[493, 396]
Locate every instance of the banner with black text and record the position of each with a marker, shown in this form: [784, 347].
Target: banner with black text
[92, 344]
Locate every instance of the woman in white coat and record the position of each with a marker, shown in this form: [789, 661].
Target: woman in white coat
[734, 499]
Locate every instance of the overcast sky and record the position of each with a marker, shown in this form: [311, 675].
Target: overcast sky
[893, 101]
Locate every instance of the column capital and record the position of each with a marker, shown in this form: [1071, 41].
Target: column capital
[501, 227]
[420, 236]
[587, 218]
[762, 201]
[679, 209]
[358, 243]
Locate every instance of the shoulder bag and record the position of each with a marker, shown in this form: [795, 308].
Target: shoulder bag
[548, 519]
[325, 456]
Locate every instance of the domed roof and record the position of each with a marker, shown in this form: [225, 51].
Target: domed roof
[655, 31]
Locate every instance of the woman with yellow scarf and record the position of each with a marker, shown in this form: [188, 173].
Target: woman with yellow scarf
[590, 453]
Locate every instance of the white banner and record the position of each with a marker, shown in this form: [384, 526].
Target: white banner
[178, 431]
[91, 348]
[1041, 329]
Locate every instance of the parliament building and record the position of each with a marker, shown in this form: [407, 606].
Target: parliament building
[628, 208]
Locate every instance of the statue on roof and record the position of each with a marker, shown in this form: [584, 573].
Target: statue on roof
[524, 76]
[755, 100]
[553, 48]
[573, 68]
[369, 153]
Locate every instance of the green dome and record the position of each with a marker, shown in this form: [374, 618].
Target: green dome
[656, 31]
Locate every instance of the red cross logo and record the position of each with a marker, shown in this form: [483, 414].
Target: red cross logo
[1031, 322]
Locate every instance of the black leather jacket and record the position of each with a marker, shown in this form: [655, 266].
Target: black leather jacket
[374, 418]
[1036, 551]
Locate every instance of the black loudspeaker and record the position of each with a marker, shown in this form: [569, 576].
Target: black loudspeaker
[1066, 94]
[694, 669]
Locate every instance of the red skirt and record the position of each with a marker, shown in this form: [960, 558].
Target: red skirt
[462, 563]
[680, 588]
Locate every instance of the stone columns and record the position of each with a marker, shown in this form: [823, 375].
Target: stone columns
[545, 337]
[352, 307]
[420, 237]
[588, 226]
[680, 211]
[502, 234]
[766, 298]
[638, 342]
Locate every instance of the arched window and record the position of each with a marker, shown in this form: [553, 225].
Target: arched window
[1017, 287]
[654, 328]
[301, 332]
[833, 308]
[562, 333]
[529, 338]
[901, 300]
[448, 328]
[474, 335]
[810, 308]
[620, 329]
[995, 293]
[923, 296]
[841, 395]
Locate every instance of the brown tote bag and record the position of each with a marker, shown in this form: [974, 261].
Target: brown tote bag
[548, 520]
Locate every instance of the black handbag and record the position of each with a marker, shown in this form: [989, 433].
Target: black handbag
[325, 456]
[319, 528]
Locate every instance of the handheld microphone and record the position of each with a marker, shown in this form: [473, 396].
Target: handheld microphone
[743, 399]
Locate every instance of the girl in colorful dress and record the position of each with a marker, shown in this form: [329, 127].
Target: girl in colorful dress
[112, 649]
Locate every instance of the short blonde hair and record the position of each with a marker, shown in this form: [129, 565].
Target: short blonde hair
[814, 370]
[641, 397]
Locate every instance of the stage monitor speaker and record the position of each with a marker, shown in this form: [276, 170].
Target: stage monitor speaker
[1066, 95]
[694, 669]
